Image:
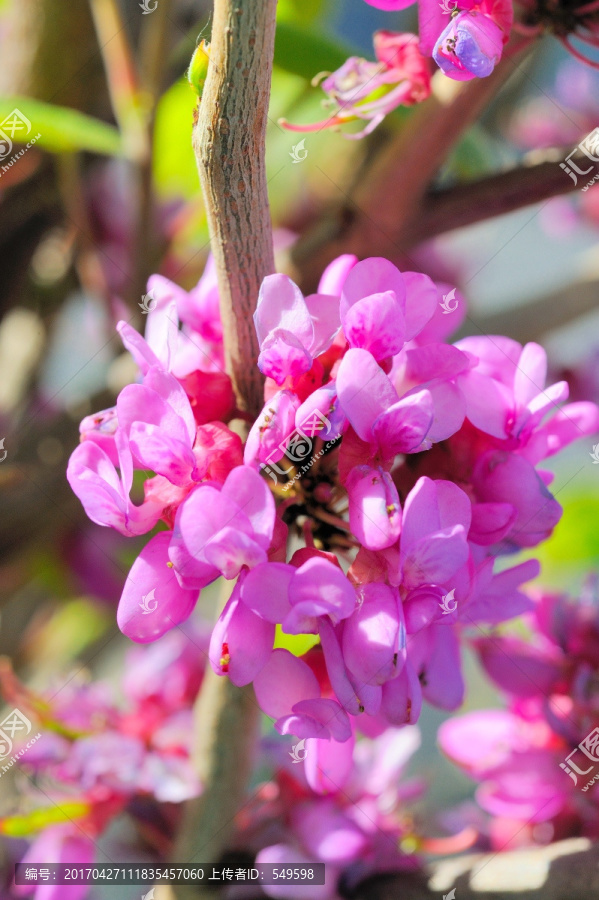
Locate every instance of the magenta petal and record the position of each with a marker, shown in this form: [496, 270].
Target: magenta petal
[371, 276]
[282, 356]
[328, 765]
[157, 450]
[324, 311]
[241, 642]
[283, 682]
[320, 588]
[509, 478]
[501, 600]
[405, 424]
[152, 601]
[265, 590]
[481, 741]
[376, 323]
[321, 718]
[519, 668]
[333, 277]
[436, 558]
[364, 391]
[421, 302]
[374, 635]
[251, 493]
[488, 403]
[281, 304]
[229, 550]
[329, 833]
[443, 684]
[272, 428]
[344, 690]
[422, 606]
[137, 347]
[374, 510]
[491, 522]
[530, 374]
[402, 697]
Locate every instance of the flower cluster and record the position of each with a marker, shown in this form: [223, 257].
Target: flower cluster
[429, 475]
[537, 760]
[106, 758]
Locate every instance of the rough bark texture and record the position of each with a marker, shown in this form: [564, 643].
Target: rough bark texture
[229, 142]
[229, 145]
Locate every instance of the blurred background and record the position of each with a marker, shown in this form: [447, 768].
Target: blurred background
[108, 194]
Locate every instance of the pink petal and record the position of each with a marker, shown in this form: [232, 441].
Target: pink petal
[153, 601]
[376, 323]
[421, 302]
[265, 590]
[281, 304]
[374, 509]
[241, 642]
[374, 635]
[364, 391]
[283, 682]
[371, 276]
[328, 765]
[403, 426]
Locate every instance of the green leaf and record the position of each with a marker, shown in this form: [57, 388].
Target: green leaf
[173, 159]
[300, 10]
[60, 129]
[306, 52]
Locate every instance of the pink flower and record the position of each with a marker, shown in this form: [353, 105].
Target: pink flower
[220, 530]
[292, 331]
[368, 91]
[104, 493]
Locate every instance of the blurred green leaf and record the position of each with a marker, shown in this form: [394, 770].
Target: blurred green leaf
[573, 548]
[300, 10]
[62, 129]
[304, 51]
[175, 171]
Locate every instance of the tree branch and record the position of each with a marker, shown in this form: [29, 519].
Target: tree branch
[494, 195]
[378, 214]
[229, 142]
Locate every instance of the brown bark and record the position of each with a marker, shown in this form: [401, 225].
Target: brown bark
[229, 142]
